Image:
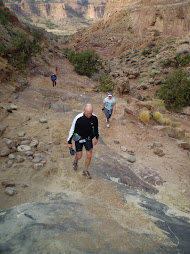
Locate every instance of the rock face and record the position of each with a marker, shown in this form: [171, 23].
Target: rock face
[165, 16]
[58, 10]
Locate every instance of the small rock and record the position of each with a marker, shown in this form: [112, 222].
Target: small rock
[131, 152]
[183, 144]
[37, 159]
[43, 162]
[42, 147]
[131, 159]
[57, 142]
[7, 184]
[13, 107]
[25, 142]
[116, 142]
[23, 148]
[9, 164]
[38, 166]
[124, 122]
[157, 144]
[183, 192]
[21, 134]
[19, 159]
[28, 153]
[150, 145]
[43, 120]
[34, 143]
[10, 191]
[6, 151]
[24, 185]
[11, 156]
[123, 148]
[9, 110]
[159, 152]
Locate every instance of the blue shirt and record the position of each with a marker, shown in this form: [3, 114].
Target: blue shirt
[109, 102]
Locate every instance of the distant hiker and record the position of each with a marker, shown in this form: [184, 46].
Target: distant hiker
[84, 128]
[56, 69]
[53, 78]
[109, 107]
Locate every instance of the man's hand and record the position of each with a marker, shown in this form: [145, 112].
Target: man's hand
[95, 141]
[69, 146]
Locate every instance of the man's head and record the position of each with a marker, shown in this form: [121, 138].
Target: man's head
[88, 110]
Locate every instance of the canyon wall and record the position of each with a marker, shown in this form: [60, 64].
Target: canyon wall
[169, 17]
[58, 10]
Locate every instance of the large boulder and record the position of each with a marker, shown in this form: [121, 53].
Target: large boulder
[122, 85]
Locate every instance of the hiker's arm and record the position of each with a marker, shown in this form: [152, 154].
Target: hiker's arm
[103, 105]
[95, 141]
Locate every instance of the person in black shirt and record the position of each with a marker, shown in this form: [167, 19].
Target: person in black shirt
[84, 128]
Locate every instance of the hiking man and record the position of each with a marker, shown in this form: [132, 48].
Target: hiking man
[53, 78]
[84, 128]
[109, 107]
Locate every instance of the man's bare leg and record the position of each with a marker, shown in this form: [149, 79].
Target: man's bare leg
[88, 158]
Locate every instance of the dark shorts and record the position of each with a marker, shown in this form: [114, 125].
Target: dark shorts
[108, 113]
[88, 145]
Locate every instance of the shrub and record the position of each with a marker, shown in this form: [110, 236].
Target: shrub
[175, 90]
[161, 119]
[144, 115]
[106, 83]
[3, 17]
[2, 48]
[38, 35]
[22, 50]
[85, 62]
[158, 104]
[176, 61]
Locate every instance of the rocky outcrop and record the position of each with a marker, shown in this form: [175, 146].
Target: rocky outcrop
[58, 10]
[147, 16]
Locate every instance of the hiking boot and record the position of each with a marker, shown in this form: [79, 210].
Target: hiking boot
[87, 174]
[75, 165]
[108, 125]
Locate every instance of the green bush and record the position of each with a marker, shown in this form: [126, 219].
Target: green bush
[23, 48]
[85, 62]
[106, 83]
[38, 35]
[3, 17]
[175, 90]
[176, 61]
[2, 48]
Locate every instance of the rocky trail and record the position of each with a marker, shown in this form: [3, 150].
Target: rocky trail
[136, 201]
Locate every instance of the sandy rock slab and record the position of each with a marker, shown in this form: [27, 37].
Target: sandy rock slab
[65, 224]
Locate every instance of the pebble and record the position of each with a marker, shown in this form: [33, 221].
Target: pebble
[7, 184]
[9, 163]
[38, 166]
[43, 120]
[116, 142]
[159, 152]
[10, 191]
[19, 159]
[13, 107]
[123, 148]
[25, 142]
[11, 156]
[6, 151]
[34, 143]
[21, 134]
[131, 159]
[23, 148]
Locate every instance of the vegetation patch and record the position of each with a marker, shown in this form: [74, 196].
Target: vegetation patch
[144, 115]
[106, 83]
[175, 90]
[85, 62]
[176, 61]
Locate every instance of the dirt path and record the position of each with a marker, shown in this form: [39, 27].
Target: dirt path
[57, 180]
